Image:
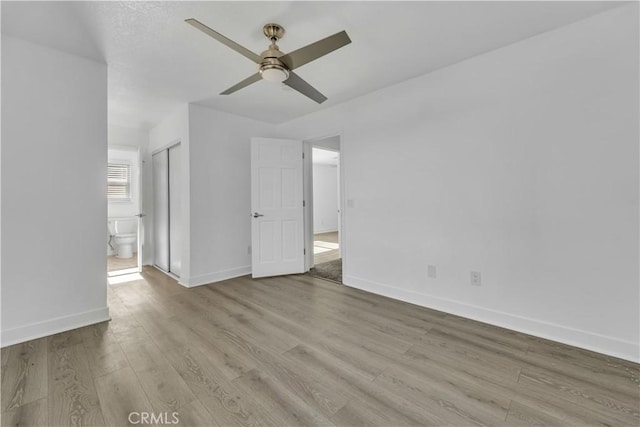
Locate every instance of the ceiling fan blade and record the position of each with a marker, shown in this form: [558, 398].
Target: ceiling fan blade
[313, 51]
[224, 40]
[296, 82]
[246, 82]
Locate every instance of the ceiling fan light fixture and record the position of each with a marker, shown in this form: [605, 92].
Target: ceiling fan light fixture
[275, 66]
[274, 73]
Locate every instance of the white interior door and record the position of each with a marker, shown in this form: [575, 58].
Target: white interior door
[175, 209]
[161, 209]
[277, 229]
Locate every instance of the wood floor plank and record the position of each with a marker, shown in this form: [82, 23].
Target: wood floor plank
[164, 388]
[143, 355]
[222, 399]
[64, 339]
[454, 402]
[195, 414]
[33, 414]
[469, 361]
[24, 378]
[550, 403]
[282, 406]
[617, 407]
[103, 350]
[247, 322]
[316, 392]
[611, 374]
[358, 413]
[120, 394]
[72, 397]
[522, 415]
[352, 354]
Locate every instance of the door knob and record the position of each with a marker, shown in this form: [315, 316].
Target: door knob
[256, 215]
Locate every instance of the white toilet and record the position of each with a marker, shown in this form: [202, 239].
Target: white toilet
[125, 237]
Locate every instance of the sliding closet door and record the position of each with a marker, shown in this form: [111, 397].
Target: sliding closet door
[175, 211]
[161, 209]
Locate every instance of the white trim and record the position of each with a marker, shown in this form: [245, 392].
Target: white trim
[53, 326]
[218, 276]
[328, 230]
[575, 337]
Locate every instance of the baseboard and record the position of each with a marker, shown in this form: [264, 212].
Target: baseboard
[578, 338]
[218, 276]
[330, 230]
[53, 326]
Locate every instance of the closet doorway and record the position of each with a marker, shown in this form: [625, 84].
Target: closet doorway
[167, 221]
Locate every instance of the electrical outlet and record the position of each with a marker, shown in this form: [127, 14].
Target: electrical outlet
[431, 271]
[249, 249]
[476, 278]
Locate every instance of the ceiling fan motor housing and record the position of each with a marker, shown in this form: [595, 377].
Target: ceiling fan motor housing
[271, 68]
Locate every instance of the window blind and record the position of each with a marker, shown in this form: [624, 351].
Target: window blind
[119, 181]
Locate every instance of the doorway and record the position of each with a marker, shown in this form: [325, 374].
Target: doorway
[124, 254]
[325, 214]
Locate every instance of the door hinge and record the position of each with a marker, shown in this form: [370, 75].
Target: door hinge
[303, 155]
[304, 203]
[304, 251]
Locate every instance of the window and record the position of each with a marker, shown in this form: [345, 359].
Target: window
[119, 182]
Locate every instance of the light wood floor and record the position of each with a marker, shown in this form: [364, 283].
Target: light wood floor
[295, 351]
[325, 255]
[114, 263]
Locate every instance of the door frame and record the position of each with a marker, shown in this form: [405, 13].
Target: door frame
[307, 170]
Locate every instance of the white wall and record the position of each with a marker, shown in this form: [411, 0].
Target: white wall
[123, 136]
[521, 164]
[171, 130]
[220, 171]
[325, 198]
[54, 209]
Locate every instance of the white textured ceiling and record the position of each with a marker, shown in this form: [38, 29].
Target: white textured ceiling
[156, 61]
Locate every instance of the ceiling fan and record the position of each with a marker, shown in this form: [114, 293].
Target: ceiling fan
[275, 66]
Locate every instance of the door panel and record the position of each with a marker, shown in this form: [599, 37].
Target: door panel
[161, 209]
[276, 195]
